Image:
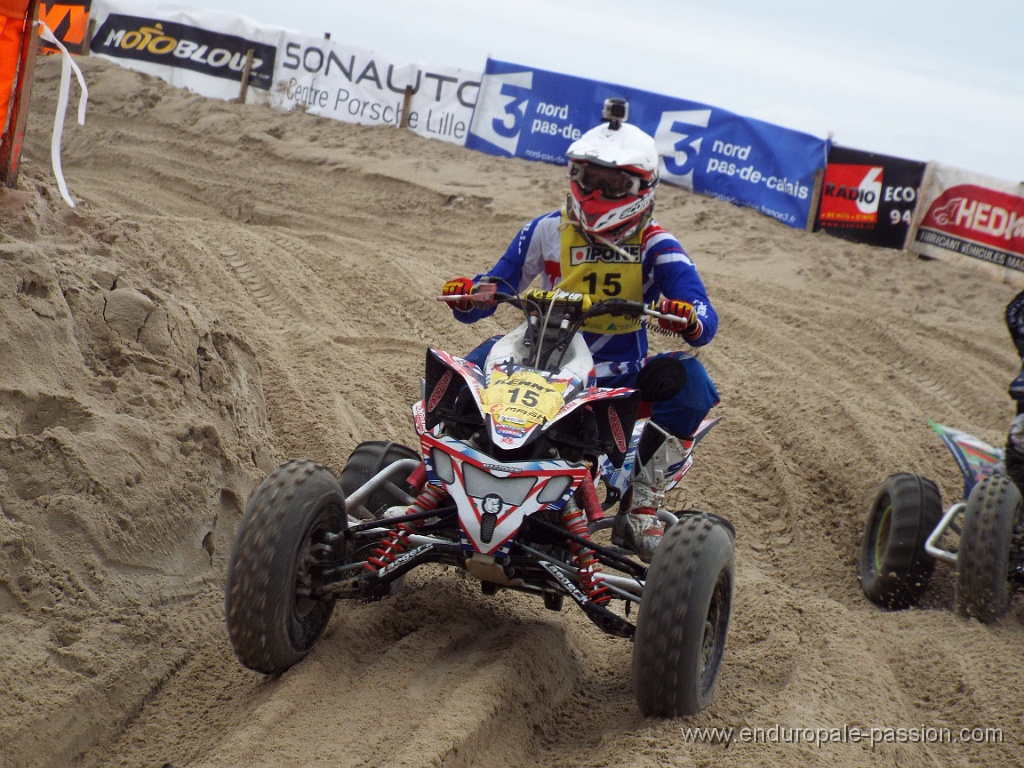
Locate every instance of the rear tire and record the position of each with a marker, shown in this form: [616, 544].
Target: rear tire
[992, 519]
[684, 618]
[894, 566]
[273, 618]
[367, 460]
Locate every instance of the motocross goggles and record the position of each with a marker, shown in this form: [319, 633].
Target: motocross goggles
[614, 183]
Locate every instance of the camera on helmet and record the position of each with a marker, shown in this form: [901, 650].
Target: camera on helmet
[616, 112]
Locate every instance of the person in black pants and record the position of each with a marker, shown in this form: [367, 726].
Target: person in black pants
[1015, 439]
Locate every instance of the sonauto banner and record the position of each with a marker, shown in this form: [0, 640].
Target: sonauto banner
[535, 114]
[969, 218]
[331, 79]
[868, 197]
[203, 51]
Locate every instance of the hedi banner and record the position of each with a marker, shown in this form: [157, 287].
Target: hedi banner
[966, 217]
[535, 114]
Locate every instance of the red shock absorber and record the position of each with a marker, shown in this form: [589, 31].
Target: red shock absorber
[592, 504]
[397, 540]
[583, 558]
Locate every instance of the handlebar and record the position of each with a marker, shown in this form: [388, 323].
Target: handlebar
[554, 317]
[577, 306]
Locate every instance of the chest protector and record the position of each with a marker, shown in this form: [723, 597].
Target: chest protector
[603, 273]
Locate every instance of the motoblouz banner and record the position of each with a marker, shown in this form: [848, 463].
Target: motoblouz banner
[969, 218]
[535, 114]
[330, 79]
[868, 197]
[69, 22]
[203, 51]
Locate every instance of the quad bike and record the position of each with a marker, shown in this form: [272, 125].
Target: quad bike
[902, 539]
[505, 487]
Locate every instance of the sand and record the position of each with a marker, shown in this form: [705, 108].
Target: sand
[238, 286]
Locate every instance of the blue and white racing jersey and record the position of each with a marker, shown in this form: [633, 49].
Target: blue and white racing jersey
[650, 265]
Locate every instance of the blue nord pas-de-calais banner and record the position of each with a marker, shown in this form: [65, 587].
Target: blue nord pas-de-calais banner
[535, 114]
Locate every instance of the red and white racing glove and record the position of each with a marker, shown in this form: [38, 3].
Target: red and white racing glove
[688, 325]
[459, 286]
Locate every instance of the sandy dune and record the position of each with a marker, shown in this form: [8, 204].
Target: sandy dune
[239, 286]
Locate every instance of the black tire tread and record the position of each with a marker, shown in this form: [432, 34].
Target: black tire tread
[667, 677]
[906, 567]
[265, 634]
[992, 514]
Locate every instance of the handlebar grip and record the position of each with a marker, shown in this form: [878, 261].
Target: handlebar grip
[484, 295]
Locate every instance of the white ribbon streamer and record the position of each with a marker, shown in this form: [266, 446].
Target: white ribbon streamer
[62, 104]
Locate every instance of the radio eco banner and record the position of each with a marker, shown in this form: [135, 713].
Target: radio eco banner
[868, 197]
[535, 114]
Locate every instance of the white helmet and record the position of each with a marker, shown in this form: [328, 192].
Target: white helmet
[613, 172]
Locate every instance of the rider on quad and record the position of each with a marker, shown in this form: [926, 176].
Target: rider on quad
[604, 242]
[1015, 438]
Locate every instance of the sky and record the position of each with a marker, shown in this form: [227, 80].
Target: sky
[919, 79]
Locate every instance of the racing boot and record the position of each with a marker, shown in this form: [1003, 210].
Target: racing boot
[659, 461]
[637, 527]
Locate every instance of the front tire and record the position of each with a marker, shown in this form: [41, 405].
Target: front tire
[993, 518]
[273, 614]
[894, 566]
[684, 618]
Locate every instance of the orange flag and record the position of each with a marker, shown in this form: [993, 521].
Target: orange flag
[13, 20]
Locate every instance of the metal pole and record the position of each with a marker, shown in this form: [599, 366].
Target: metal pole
[246, 70]
[404, 123]
[10, 147]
